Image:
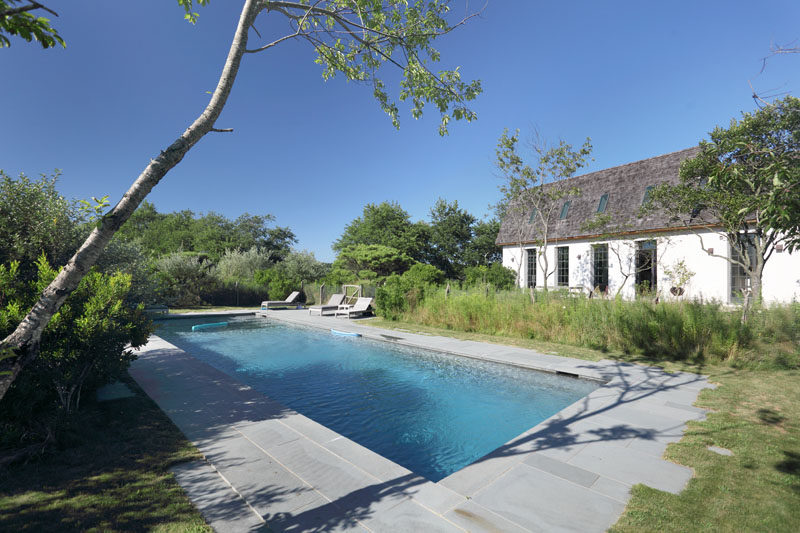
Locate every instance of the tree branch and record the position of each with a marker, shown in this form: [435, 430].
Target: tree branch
[30, 7]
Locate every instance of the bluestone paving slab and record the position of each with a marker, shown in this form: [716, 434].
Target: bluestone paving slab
[372, 463]
[409, 517]
[613, 489]
[267, 433]
[630, 466]
[478, 519]
[539, 501]
[326, 472]
[433, 496]
[561, 469]
[572, 472]
[222, 508]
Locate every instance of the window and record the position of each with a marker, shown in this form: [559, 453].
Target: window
[532, 218]
[531, 267]
[600, 267]
[646, 267]
[562, 266]
[647, 192]
[740, 280]
[564, 210]
[601, 206]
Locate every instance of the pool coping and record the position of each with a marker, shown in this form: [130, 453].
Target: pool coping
[572, 472]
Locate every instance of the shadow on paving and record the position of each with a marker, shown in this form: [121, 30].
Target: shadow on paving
[347, 511]
[556, 432]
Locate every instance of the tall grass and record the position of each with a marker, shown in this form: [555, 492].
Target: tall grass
[684, 330]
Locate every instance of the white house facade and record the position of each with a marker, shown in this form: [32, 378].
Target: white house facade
[649, 254]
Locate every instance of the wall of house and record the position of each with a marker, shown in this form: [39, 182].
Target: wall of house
[711, 279]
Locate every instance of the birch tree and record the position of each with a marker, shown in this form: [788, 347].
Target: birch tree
[531, 195]
[353, 38]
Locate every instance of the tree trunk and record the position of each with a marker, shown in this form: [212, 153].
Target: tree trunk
[24, 341]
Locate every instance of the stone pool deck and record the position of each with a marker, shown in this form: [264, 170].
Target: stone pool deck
[269, 468]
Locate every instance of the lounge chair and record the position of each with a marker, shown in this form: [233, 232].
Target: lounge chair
[290, 301]
[361, 306]
[333, 304]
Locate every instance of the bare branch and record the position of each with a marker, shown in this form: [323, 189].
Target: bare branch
[30, 7]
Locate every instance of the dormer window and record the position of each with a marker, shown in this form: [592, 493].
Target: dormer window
[564, 210]
[601, 206]
[646, 196]
[532, 218]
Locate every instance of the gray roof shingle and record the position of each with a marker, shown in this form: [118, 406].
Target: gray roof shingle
[625, 185]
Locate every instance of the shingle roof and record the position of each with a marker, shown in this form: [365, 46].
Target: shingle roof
[625, 185]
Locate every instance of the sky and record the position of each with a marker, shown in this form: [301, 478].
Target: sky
[639, 78]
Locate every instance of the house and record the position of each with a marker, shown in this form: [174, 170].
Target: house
[635, 251]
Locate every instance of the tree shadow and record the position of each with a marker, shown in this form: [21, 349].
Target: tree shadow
[770, 417]
[791, 465]
[624, 388]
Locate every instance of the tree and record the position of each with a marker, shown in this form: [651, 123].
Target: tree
[303, 266]
[211, 234]
[533, 194]
[372, 260]
[745, 182]
[386, 224]
[35, 219]
[451, 232]
[20, 21]
[351, 37]
[482, 249]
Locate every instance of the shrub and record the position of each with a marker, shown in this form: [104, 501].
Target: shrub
[278, 284]
[500, 277]
[83, 346]
[303, 266]
[184, 278]
[238, 265]
[420, 275]
[402, 293]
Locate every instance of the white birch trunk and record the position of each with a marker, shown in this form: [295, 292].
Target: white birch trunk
[24, 341]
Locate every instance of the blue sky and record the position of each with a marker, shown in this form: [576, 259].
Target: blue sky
[639, 78]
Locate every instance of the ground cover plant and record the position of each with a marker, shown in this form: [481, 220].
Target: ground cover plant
[109, 473]
[690, 331]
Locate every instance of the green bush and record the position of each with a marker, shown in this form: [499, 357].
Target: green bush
[84, 346]
[184, 278]
[496, 275]
[241, 265]
[278, 284]
[402, 293]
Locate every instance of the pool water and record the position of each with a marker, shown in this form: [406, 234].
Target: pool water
[432, 413]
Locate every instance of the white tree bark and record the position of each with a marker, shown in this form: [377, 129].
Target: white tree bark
[24, 341]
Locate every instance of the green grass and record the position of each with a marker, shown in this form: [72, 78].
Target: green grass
[754, 413]
[109, 473]
[686, 331]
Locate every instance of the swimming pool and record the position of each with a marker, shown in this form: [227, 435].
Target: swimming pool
[432, 413]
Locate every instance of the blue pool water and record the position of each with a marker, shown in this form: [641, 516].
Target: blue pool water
[432, 413]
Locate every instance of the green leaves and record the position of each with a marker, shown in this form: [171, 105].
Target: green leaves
[187, 5]
[355, 38]
[18, 20]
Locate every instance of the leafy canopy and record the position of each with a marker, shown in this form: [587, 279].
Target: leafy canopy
[355, 38]
[751, 169]
[385, 224]
[17, 19]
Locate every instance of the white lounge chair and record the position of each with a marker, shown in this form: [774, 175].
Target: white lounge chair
[333, 304]
[361, 306]
[290, 301]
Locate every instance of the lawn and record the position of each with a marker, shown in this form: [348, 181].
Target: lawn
[754, 413]
[110, 474]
